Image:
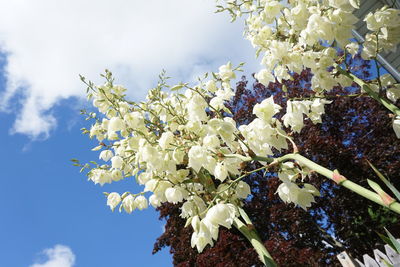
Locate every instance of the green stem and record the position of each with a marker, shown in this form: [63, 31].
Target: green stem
[251, 235]
[395, 206]
[390, 106]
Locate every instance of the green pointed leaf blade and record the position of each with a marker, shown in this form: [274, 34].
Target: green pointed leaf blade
[385, 180]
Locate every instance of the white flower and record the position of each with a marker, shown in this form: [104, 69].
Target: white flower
[193, 206]
[99, 176]
[116, 162]
[113, 199]
[294, 114]
[242, 190]
[134, 120]
[197, 157]
[178, 155]
[154, 201]
[141, 202]
[106, 155]
[175, 194]
[211, 86]
[129, 204]
[196, 108]
[116, 175]
[393, 93]
[222, 214]
[211, 141]
[291, 193]
[204, 233]
[266, 109]
[220, 171]
[352, 48]
[226, 73]
[116, 124]
[271, 9]
[166, 139]
[187, 209]
[144, 177]
[265, 77]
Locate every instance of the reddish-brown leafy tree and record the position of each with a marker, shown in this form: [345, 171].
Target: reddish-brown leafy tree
[354, 129]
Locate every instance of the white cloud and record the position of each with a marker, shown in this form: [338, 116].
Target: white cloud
[59, 256]
[48, 43]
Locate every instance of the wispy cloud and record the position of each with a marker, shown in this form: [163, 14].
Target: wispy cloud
[48, 43]
[59, 256]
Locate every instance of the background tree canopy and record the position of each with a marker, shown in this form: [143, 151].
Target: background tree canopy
[355, 128]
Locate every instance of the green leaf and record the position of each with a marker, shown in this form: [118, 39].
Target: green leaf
[386, 181]
[396, 244]
[376, 187]
[385, 239]
[97, 148]
[74, 160]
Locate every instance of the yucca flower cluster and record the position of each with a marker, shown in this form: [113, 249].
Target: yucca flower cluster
[182, 145]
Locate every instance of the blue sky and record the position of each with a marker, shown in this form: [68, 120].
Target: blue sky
[44, 45]
[48, 202]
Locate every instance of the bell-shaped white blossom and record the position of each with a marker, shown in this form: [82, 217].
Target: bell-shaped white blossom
[266, 109]
[100, 176]
[141, 202]
[155, 201]
[226, 73]
[211, 86]
[129, 204]
[222, 214]
[116, 175]
[116, 124]
[106, 155]
[113, 199]
[242, 190]
[116, 162]
[166, 139]
[197, 157]
[175, 194]
[220, 171]
[265, 76]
